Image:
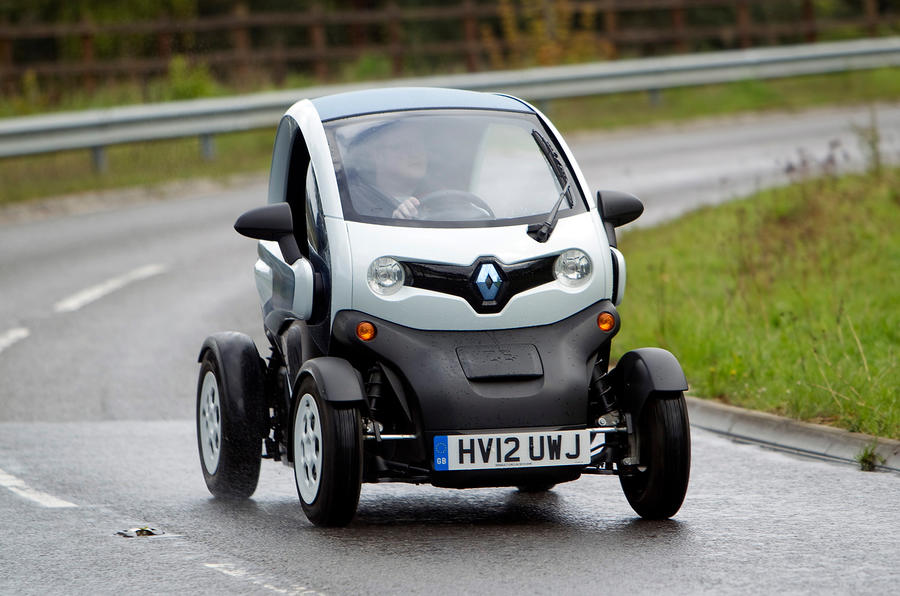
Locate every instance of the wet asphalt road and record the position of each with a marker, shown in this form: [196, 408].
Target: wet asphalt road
[96, 399]
[754, 522]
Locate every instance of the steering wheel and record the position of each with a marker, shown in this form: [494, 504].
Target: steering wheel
[451, 204]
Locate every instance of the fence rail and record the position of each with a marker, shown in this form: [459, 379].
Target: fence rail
[96, 129]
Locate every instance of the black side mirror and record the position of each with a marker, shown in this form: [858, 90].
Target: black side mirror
[271, 222]
[617, 209]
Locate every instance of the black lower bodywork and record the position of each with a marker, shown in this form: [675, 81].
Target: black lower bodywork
[411, 385]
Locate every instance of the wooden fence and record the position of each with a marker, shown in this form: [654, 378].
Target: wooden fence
[466, 34]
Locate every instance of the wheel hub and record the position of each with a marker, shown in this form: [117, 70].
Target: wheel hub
[307, 448]
[210, 422]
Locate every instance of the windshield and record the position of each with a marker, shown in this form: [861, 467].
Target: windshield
[445, 168]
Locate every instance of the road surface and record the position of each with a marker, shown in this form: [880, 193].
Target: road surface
[101, 318]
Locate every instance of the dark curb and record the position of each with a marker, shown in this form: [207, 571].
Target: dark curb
[784, 434]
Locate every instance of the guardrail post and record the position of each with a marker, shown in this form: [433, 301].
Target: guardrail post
[208, 147]
[98, 157]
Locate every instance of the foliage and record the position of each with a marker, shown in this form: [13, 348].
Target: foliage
[869, 458]
[784, 302]
[368, 67]
[188, 80]
[537, 32]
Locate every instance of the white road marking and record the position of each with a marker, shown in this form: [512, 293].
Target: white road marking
[84, 297]
[18, 486]
[12, 336]
[238, 573]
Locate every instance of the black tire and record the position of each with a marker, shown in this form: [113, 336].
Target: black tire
[326, 440]
[664, 438]
[237, 411]
[536, 487]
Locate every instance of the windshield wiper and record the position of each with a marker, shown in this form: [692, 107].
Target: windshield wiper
[541, 232]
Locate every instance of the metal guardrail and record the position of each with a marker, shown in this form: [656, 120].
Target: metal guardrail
[97, 129]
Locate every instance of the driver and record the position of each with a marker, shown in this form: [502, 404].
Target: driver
[389, 164]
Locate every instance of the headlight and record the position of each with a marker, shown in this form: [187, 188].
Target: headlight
[385, 276]
[572, 268]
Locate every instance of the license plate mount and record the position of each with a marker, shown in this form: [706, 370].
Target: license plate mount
[495, 451]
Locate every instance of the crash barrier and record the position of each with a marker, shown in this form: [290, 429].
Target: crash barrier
[203, 118]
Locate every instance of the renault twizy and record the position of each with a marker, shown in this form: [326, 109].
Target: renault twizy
[439, 292]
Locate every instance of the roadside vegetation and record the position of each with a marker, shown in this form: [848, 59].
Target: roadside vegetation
[784, 302]
[157, 162]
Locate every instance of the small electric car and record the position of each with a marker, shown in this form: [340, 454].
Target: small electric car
[439, 291]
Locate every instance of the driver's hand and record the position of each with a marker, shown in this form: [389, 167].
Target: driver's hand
[407, 209]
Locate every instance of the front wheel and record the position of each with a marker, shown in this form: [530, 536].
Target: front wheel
[656, 490]
[327, 444]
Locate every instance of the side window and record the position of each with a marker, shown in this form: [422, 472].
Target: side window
[315, 225]
[281, 159]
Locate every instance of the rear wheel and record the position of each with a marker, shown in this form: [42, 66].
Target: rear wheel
[657, 489]
[229, 412]
[327, 447]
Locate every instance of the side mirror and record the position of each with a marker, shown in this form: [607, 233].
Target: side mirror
[271, 222]
[617, 209]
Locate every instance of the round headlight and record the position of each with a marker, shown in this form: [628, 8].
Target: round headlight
[385, 276]
[572, 268]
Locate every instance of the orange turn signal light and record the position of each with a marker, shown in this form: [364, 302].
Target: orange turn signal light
[365, 331]
[606, 321]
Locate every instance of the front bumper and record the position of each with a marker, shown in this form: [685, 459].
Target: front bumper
[500, 379]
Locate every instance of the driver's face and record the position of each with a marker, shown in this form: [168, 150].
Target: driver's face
[402, 158]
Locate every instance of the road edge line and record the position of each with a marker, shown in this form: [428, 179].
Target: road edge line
[792, 436]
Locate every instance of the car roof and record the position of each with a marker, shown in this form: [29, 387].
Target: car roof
[372, 101]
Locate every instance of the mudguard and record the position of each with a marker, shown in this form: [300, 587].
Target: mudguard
[336, 379]
[242, 371]
[642, 372]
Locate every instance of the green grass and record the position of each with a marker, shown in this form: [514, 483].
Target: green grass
[785, 302]
[153, 163]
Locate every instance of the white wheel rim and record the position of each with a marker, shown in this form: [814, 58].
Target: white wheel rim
[307, 448]
[210, 422]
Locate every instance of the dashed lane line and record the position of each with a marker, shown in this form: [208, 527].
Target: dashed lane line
[88, 295]
[19, 487]
[12, 336]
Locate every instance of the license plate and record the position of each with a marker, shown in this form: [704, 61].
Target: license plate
[512, 450]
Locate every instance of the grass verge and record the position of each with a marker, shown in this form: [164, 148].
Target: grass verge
[138, 164]
[784, 302]
[153, 163]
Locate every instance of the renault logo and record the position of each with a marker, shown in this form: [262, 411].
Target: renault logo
[488, 281]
